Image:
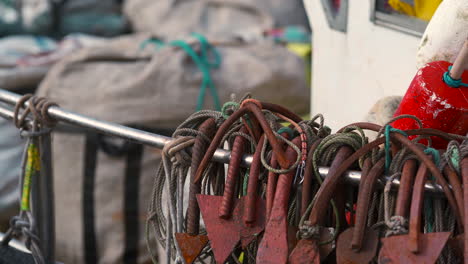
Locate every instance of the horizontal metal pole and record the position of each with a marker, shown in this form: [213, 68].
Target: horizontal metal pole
[150, 139]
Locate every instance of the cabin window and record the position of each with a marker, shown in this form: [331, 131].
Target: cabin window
[336, 12]
[408, 16]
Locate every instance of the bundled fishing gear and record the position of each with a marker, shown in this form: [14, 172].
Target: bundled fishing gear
[281, 209]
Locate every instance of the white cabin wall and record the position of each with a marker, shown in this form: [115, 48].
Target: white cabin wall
[351, 71]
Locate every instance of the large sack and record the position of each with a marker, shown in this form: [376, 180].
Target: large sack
[12, 147]
[100, 197]
[120, 82]
[171, 19]
[26, 59]
[445, 34]
[102, 187]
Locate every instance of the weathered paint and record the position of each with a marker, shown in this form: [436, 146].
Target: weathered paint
[435, 103]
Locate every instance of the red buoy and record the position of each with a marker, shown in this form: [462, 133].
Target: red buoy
[435, 100]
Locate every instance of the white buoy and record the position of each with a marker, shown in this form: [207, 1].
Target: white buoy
[445, 34]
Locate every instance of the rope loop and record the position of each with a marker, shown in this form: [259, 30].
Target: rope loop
[388, 158]
[229, 108]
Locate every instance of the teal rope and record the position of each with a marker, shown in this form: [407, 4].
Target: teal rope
[154, 41]
[429, 214]
[428, 202]
[434, 153]
[202, 61]
[388, 157]
[206, 50]
[204, 66]
[286, 130]
[454, 155]
[452, 82]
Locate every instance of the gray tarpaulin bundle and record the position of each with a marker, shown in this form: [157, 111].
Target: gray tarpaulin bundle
[172, 19]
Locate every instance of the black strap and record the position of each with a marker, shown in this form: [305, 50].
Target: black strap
[134, 154]
[89, 180]
[131, 203]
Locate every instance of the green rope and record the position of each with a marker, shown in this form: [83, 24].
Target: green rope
[388, 157]
[452, 82]
[227, 106]
[245, 182]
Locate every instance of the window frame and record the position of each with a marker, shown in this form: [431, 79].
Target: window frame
[336, 20]
[399, 22]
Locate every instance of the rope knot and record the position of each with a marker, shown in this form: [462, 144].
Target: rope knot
[397, 225]
[175, 150]
[38, 107]
[307, 231]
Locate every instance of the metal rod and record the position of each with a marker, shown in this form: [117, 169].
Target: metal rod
[46, 221]
[151, 139]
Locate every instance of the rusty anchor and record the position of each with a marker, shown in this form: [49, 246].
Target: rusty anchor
[192, 243]
[274, 246]
[457, 242]
[254, 107]
[251, 207]
[223, 230]
[272, 179]
[307, 250]
[414, 247]
[464, 168]
[403, 201]
[364, 241]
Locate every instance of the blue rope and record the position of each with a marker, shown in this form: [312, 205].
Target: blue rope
[452, 82]
[202, 61]
[388, 157]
